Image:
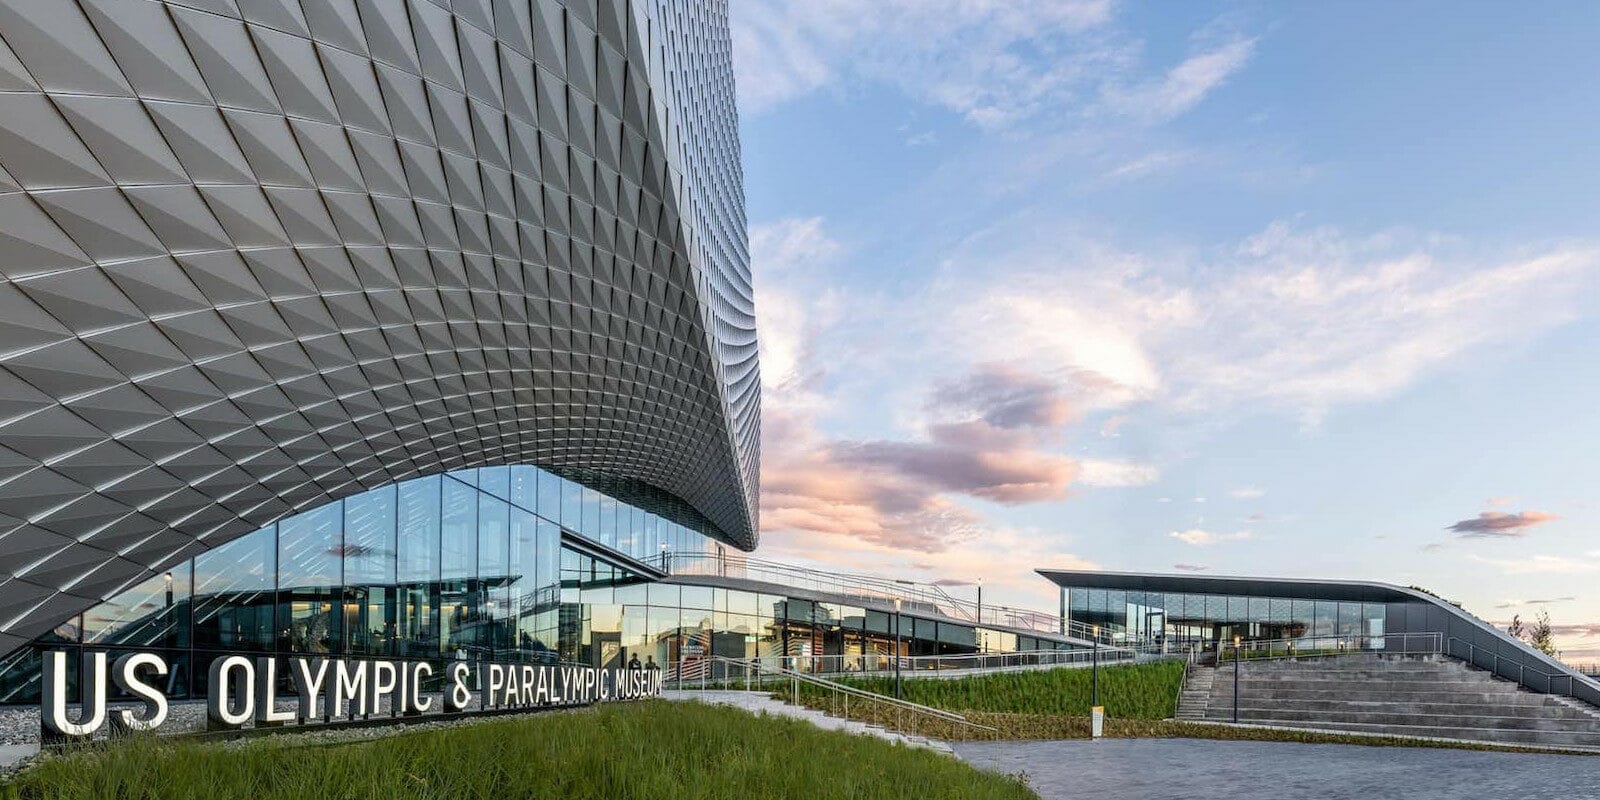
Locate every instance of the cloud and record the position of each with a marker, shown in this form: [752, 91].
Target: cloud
[1248, 492]
[1185, 85]
[1116, 474]
[1499, 524]
[1190, 567]
[1150, 164]
[784, 251]
[1537, 565]
[1006, 396]
[989, 61]
[1289, 319]
[1204, 538]
[1542, 602]
[1499, 502]
[973, 458]
[988, 435]
[993, 62]
[1112, 427]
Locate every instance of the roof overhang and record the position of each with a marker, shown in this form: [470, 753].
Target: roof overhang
[1293, 588]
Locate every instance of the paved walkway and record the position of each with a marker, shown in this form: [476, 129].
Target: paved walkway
[1170, 769]
[762, 703]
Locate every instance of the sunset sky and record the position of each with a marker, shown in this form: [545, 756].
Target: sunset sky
[1301, 289]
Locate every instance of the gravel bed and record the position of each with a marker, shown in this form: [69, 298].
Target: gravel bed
[20, 726]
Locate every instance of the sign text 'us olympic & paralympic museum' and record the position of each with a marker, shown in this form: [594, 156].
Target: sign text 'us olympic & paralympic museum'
[244, 690]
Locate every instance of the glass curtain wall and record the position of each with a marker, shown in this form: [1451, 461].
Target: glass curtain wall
[466, 565]
[1182, 619]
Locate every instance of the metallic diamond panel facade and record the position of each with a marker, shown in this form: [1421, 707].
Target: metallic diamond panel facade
[259, 255]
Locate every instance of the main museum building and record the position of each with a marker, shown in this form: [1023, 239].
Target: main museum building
[405, 328]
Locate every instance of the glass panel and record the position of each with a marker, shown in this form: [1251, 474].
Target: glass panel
[495, 481]
[369, 537]
[523, 488]
[590, 526]
[608, 521]
[549, 496]
[1375, 619]
[418, 530]
[571, 505]
[155, 613]
[1279, 610]
[1350, 620]
[744, 603]
[697, 597]
[1303, 618]
[1327, 622]
[459, 531]
[233, 597]
[308, 547]
[494, 520]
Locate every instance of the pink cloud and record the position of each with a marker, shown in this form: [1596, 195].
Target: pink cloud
[1501, 524]
[1007, 397]
[989, 441]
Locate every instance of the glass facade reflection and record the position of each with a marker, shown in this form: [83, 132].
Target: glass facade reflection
[508, 564]
[466, 565]
[1181, 619]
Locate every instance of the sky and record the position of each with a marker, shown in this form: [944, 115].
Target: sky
[1297, 289]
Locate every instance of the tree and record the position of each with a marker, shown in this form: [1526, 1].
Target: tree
[1542, 636]
[1516, 628]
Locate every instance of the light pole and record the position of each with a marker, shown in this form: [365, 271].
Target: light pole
[1094, 699]
[979, 619]
[897, 648]
[664, 557]
[1236, 680]
[169, 590]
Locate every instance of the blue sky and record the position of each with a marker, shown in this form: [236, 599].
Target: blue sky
[1284, 289]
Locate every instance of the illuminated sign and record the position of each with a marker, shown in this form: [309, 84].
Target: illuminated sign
[243, 690]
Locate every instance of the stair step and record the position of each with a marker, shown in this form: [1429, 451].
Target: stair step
[1514, 736]
[1367, 694]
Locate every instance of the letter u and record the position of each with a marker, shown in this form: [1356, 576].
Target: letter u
[53, 696]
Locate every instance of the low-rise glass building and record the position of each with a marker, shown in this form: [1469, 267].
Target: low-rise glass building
[1169, 611]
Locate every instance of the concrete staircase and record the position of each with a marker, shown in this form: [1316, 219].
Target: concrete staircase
[763, 703]
[1195, 697]
[1392, 695]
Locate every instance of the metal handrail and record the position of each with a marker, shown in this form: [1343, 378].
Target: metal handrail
[1431, 643]
[1522, 669]
[912, 594]
[877, 664]
[754, 670]
[1188, 661]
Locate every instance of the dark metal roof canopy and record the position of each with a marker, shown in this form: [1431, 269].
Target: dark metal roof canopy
[1294, 588]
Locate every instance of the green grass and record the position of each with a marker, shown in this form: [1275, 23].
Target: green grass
[1128, 691]
[650, 749]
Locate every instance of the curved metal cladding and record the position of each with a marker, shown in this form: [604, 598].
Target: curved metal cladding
[256, 256]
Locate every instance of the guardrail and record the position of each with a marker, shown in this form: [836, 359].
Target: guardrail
[693, 668]
[912, 595]
[835, 698]
[1534, 678]
[1427, 643]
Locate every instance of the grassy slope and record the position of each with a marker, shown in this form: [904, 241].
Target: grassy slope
[1139, 699]
[639, 750]
[1128, 691]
